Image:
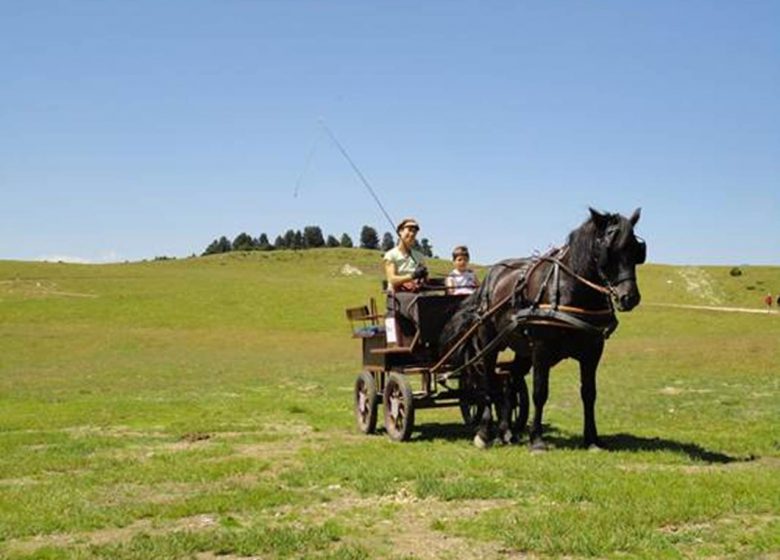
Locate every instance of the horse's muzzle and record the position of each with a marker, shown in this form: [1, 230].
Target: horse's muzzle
[628, 301]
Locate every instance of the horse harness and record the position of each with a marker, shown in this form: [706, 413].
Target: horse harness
[599, 322]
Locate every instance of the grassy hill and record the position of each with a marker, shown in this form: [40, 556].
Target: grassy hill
[202, 407]
[709, 285]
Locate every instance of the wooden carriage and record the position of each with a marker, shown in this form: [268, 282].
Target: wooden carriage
[408, 374]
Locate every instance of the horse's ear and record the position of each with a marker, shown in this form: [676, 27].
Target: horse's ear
[600, 220]
[635, 216]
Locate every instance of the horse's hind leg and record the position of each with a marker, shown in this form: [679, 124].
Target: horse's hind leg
[505, 401]
[484, 397]
[483, 394]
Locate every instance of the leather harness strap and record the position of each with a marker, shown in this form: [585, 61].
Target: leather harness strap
[603, 289]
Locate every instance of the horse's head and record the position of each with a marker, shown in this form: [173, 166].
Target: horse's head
[618, 252]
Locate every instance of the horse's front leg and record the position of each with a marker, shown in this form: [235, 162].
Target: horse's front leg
[541, 390]
[589, 363]
[484, 392]
[503, 397]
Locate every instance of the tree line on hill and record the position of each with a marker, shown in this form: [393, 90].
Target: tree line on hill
[310, 238]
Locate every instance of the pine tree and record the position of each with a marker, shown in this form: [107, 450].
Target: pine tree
[298, 240]
[279, 243]
[263, 244]
[426, 248]
[387, 241]
[332, 242]
[312, 237]
[289, 239]
[368, 238]
[346, 241]
[213, 248]
[243, 242]
[223, 245]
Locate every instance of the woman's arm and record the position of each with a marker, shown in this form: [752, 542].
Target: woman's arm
[393, 278]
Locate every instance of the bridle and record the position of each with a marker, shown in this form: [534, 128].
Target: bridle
[602, 257]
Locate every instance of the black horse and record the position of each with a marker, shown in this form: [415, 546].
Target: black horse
[548, 308]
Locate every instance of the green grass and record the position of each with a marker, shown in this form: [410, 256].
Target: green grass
[202, 407]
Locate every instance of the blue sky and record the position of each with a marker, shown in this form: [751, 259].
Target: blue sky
[135, 129]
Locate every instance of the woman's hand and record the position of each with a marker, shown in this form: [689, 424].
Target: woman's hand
[420, 272]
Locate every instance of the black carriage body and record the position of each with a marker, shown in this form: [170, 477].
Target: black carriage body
[419, 344]
[433, 312]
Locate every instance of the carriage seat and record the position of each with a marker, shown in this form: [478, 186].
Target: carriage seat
[365, 321]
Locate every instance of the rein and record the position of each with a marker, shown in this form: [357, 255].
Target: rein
[606, 290]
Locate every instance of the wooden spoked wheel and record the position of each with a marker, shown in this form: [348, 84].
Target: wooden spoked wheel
[398, 404]
[365, 403]
[470, 409]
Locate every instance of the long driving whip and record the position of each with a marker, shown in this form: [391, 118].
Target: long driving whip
[365, 183]
[359, 174]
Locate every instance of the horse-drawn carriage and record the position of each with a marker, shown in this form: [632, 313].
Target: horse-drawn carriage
[545, 309]
[413, 372]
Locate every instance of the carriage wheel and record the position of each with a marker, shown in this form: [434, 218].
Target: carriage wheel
[470, 409]
[365, 403]
[398, 403]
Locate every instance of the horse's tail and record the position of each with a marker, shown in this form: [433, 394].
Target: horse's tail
[466, 315]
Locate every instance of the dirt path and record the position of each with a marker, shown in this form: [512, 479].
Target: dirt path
[716, 308]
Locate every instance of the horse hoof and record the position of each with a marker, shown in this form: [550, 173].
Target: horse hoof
[480, 443]
[507, 438]
[538, 446]
[595, 447]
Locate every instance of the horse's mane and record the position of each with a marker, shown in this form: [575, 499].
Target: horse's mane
[581, 243]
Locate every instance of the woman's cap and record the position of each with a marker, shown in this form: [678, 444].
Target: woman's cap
[407, 222]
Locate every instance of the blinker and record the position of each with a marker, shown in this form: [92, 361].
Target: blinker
[640, 252]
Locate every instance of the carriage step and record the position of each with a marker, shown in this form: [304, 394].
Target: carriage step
[394, 350]
[417, 370]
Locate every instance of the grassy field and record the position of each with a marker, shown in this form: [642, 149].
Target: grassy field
[201, 408]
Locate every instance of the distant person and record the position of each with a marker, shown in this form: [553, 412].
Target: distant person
[406, 272]
[768, 302]
[462, 280]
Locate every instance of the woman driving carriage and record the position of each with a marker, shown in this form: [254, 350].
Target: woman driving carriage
[405, 271]
[404, 265]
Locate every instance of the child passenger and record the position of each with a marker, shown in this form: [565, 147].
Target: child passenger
[462, 280]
